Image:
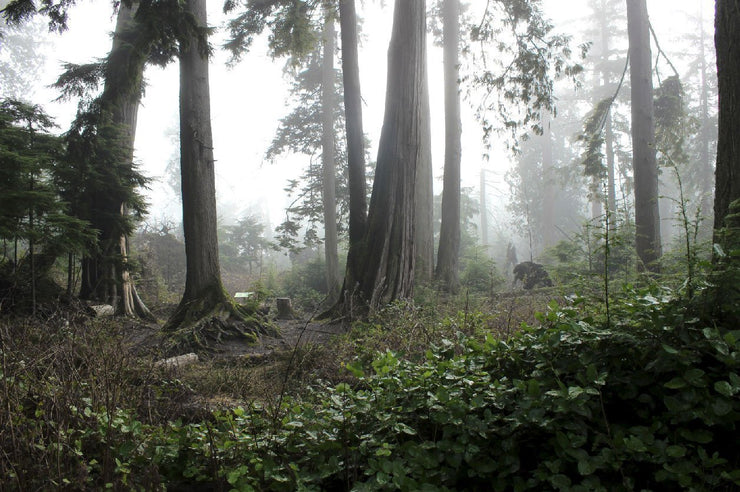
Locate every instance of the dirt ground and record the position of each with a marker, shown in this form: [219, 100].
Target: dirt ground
[292, 333]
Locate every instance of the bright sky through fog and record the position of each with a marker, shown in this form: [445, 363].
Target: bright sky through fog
[246, 104]
[248, 99]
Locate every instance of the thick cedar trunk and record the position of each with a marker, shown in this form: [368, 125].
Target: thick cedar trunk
[197, 169]
[105, 277]
[727, 171]
[424, 198]
[205, 313]
[388, 264]
[355, 146]
[644, 165]
[725, 296]
[449, 235]
[328, 163]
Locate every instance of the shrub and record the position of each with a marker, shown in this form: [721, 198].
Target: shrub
[570, 405]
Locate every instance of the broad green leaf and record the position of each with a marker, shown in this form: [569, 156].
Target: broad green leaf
[676, 451]
[669, 349]
[723, 388]
[721, 407]
[675, 383]
[561, 482]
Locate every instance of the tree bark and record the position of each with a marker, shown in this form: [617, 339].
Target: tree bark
[548, 181]
[197, 169]
[611, 189]
[328, 162]
[644, 164]
[448, 255]
[611, 193]
[705, 129]
[388, 260]
[611, 186]
[105, 275]
[205, 312]
[355, 147]
[424, 198]
[483, 211]
[727, 171]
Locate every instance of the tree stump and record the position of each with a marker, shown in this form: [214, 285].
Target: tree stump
[284, 308]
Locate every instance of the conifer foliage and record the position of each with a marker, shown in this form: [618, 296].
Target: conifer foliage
[36, 226]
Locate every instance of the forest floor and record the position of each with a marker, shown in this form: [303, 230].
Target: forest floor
[292, 333]
[237, 371]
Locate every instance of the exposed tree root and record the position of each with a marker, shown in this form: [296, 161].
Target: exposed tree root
[202, 326]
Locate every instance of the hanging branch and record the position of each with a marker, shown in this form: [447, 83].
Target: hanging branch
[661, 52]
[594, 126]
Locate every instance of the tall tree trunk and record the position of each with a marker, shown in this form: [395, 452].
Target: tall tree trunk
[424, 198]
[448, 256]
[355, 148]
[548, 178]
[725, 296]
[105, 275]
[611, 186]
[596, 200]
[597, 207]
[705, 129]
[328, 161]
[727, 171]
[611, 189]
[388, 260]
[644, 164]
[205, 309]
[483, 211]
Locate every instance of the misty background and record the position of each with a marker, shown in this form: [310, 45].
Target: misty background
[248, 99]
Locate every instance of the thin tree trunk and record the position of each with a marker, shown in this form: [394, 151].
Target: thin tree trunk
[548, 178]
[448, 256]
[611, 187]
[597, 207]
[644, 164]
[611, 190]
[727, 171]
[355, 149]
[31, 247]
[328, 162]
[483, 211]
[595, 197]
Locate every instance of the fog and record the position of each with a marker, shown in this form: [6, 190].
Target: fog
[250, 97]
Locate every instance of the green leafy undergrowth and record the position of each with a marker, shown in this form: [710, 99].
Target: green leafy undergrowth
[650, 404]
